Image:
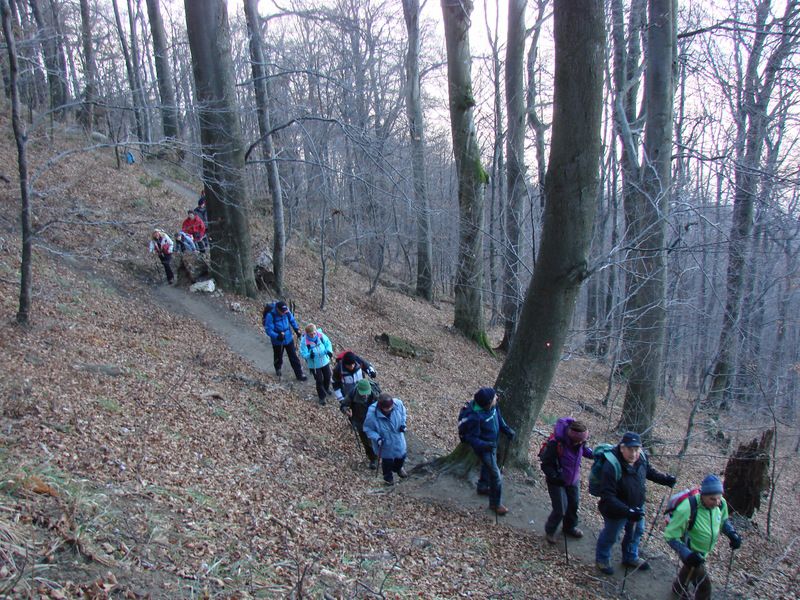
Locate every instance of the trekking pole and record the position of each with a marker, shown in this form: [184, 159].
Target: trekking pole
[728, 575]
[624, 579]
[379, 460]
[566, 551]
[355, 433]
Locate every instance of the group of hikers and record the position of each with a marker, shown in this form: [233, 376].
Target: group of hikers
[192, 237]
[618, 475]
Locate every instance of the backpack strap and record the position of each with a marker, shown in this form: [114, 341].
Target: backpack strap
[692, 512]
[614, 462]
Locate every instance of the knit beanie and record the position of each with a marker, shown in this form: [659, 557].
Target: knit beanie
[711, 485]
[577, 432]
[483, 397]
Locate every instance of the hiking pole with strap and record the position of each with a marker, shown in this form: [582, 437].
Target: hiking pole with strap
[358, 438]
[566, 550]
[378, 468]
[624, 579]
[728, 575]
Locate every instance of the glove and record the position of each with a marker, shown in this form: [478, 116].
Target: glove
[311, 353]
[671, 481]
[694, 560]
[402, 429]
[279, 336]
[372, 372]
[736, 540]
[380, 443]
[635, 514]
[297, 332]
[343, 408]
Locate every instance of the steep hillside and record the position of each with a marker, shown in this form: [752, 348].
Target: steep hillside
[147, 449]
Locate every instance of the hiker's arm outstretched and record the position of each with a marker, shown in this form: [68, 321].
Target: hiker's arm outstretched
[659, 477]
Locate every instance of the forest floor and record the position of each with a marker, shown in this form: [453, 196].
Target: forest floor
[146, 448]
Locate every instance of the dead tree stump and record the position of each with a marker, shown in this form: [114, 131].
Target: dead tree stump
[747, 475]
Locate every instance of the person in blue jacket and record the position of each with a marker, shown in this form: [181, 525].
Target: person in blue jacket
[278, 325]
[482, 427]
[316, 350]
[385, 425]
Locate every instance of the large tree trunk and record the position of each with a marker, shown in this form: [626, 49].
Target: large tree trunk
[90, 67]
[23, 312]
[471, 175]
[129, 69]
[220, 132]
[138, 89]
[166, 90]
[647, 214]
[754, 116]
[56, 83]
[747, 474]
[268, 148]
[571, 188]
[416, 126]
[515, 151]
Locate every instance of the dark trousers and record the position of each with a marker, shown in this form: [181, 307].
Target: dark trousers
[322, 377]
[277, 354]
[358, 426]
[565, 500]
[490, 479]
[166, 260]
[391, 465]
[689, 576]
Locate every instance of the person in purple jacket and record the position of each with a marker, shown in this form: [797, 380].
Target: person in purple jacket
[561, 464]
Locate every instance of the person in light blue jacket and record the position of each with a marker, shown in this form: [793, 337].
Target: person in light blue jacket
[316, 350]
[385, 425]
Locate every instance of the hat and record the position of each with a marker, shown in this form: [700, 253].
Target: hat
[631, 439]
[484, 396]
[711, 485]
[281, 307]
[577, 432]
[363, 387]
[385, 401]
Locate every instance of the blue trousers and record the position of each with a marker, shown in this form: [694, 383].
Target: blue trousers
[491, 480]
[610, 534]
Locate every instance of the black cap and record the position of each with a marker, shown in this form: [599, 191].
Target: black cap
[631, 439]
[281, 306]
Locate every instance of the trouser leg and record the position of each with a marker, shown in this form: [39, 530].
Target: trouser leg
[319, 381]
[293, 359]
[573, 497]
[558, 500]
[277, 357]
[167, 262]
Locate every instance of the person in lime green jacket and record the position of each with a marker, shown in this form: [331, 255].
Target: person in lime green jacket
[693, 544]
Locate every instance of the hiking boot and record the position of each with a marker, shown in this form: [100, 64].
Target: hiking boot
[277, 372]
[500, 510]
[574, 533]
[637, 564]
[605, 568]
[388, 483]
[373, 464]
[483, 492]
[329, 392]
[550, 537]
[302, 377]
[403, 473]
[322, 402]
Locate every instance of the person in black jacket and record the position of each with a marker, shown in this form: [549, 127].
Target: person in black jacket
[349, 369]
[622, 502]
[354, 407]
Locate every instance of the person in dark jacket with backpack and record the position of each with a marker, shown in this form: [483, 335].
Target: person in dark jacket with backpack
[692, 532]
[349, 369]
[278, 325]
[622, 495]
[355, 407]
[561, 464]
[480, 425]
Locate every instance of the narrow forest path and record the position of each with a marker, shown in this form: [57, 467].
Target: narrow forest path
[529, 503]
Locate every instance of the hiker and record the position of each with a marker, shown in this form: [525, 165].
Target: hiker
[692, 532]
[185, 242]
[349, 369]
[316, 349]
[201, 210]
[622, 496]
[162, 245]
[480, 424]
[355, 407]
[561, 464]
[385, 425]
[278, 325]
[194, 226]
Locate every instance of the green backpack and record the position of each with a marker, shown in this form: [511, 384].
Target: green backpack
[602, 455]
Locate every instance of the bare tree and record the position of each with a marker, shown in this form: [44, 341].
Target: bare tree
[166, 89]
[90, 66]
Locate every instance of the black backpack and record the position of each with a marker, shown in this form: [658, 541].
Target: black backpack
[268, 308]
[462, 420]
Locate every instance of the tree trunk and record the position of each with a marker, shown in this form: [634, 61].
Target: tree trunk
[264, 127]
[169, 111]
[20, 136]
[416, 126]
[747, 475]
[90, 67]
[138, 88]
[515, 151]
[223, 157]
[137, 109]
[471, 175]
[56, 85]
[571, 187]
[645, 309]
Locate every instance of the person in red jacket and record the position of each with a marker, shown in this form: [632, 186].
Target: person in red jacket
[194, 226]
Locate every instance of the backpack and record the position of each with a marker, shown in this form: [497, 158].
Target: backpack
[602, 455]
[676, 499]
[462, 420]
[268, 308]
[543, 447]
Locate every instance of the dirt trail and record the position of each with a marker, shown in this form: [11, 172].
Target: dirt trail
[529, 504]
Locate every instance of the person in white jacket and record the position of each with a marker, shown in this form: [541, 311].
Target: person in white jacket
[162, 245]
